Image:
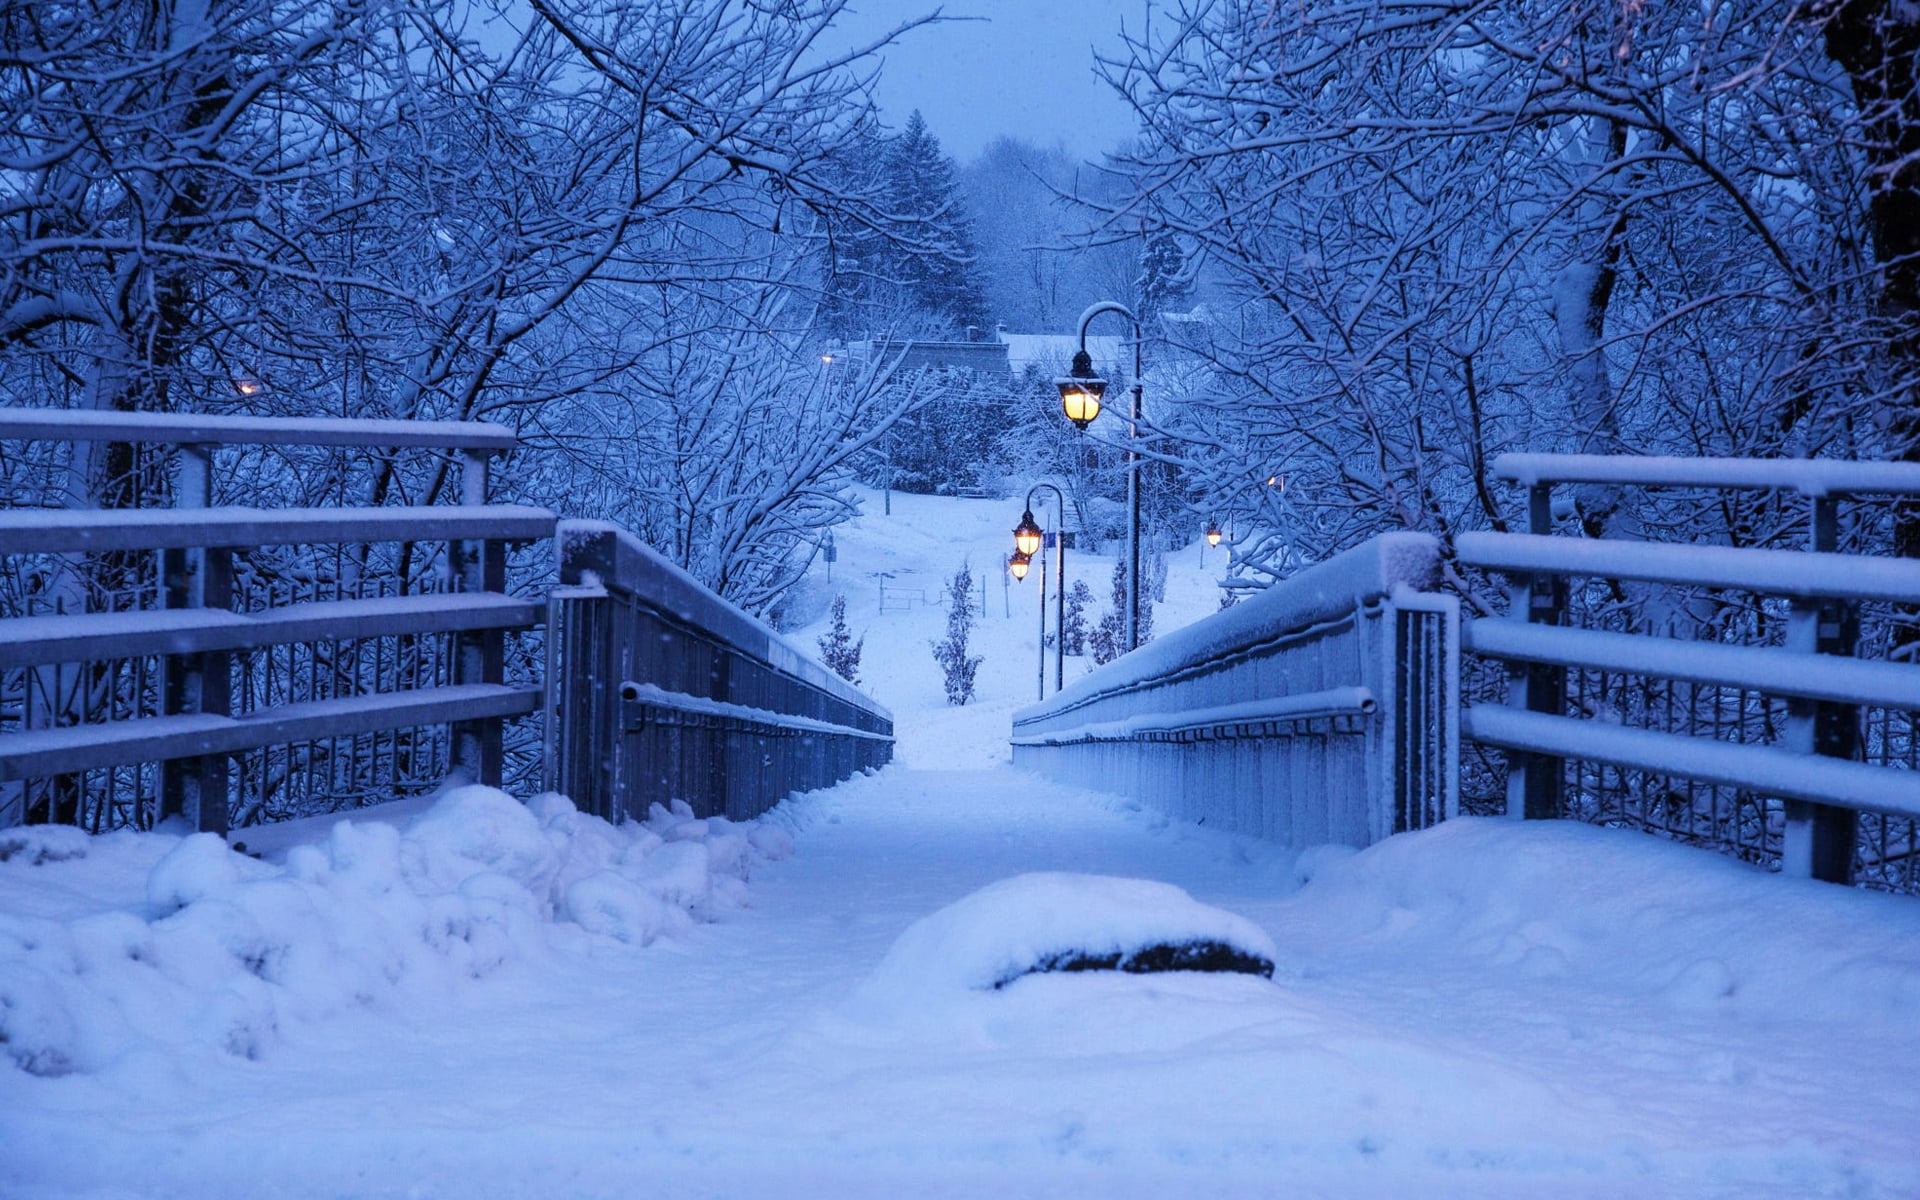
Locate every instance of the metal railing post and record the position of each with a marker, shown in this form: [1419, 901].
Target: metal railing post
[479, 655]
[202, 577]
[1535, 783]
[1817, 841]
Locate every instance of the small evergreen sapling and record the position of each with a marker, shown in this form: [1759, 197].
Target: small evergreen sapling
[1109, 638]
[838, 650]
[950, 652]
[1078, 598]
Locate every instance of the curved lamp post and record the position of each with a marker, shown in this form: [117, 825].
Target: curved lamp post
[1080, 394]
[1028, 539]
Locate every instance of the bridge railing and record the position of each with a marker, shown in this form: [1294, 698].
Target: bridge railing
[1753, 720]
[1320, 710]
[659, 690]
[203, 694]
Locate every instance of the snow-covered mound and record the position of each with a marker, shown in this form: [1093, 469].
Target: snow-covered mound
[111, 945]
[1053, 920]
[1561, 904]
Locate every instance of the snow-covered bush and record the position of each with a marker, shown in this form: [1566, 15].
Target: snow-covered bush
[956, 665]
[838, 650]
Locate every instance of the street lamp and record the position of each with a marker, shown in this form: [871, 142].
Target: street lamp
[1213, 533]
[1026, 535]
[1017, 566]
[1081, 389]
[1027, 541]
[1080, 392]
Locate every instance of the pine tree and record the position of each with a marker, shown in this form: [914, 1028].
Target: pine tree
[935, 267]
[1163, 281]
[957, 666]
[838, 650]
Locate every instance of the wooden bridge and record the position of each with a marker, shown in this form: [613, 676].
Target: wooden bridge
[1360, 698]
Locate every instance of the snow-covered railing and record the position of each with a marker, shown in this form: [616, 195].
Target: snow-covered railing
[660, 690]
[1783, 738]
[1320, 710]
[205, 700]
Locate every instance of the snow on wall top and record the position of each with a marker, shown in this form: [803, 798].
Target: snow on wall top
[665, 584]
[1321, 592]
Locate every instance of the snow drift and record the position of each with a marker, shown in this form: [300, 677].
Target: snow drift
[133, 941]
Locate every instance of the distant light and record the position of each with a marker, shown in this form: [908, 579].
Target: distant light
[1213, 533]
[245, 386]
[826, 358]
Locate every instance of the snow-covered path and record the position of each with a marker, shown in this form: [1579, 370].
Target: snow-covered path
[1444, 1022]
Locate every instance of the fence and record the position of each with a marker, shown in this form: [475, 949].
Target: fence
[1728, 703]
[659, 690]
[205, 687]
[1321, 710]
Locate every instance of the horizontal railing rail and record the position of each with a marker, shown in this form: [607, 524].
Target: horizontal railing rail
[1778, 728]
[660, 691]
[1318, 710]
[1804, 476]
[184, 429]
[57, 530]
[160, 702]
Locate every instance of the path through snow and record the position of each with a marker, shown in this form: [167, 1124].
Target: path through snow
[1444, 1022]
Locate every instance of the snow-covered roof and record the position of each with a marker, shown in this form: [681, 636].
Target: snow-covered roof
[1052, 353]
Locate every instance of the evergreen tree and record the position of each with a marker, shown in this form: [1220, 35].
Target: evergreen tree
[1078, 598]
[838, 650]
[935, 270]
[905, 267]
[1163, 281]
[1109, 637]
[956, 665]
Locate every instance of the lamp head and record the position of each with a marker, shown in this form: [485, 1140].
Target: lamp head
[1027, 537]
[1080, 391]
[1017, 566]
[1213, 533]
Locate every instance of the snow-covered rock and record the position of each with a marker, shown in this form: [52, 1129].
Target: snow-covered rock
[1043, 921]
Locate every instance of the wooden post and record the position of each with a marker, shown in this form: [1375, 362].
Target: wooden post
[1534, 781]
[1818, 840]
[196, 788]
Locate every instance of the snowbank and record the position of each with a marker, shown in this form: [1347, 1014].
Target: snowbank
[1565, 904]
[130, 942]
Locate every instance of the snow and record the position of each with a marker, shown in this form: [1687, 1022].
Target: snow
[1321, 592]
[1808, 476]
[1763, 668]
[184, 428]
[1765, 770]
[125, 946]
[989, 939]
[1325, 702]
[495, 999]
[1800, 573]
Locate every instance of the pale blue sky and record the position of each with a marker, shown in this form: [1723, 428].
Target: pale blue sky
[1026, 70]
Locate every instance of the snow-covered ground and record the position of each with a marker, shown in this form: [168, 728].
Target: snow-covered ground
[487, 1002]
